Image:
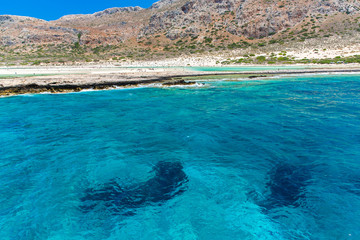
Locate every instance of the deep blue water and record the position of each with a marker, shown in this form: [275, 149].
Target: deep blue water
[269, 159]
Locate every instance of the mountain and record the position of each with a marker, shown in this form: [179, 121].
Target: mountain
[249, 18]
[189, 25]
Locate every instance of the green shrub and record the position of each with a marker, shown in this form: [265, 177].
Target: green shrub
[283, 59]
[272, 41]
[208, 40]
[261, 58]
[76, 45]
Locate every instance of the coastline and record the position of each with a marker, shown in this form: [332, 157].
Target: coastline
[55, 79]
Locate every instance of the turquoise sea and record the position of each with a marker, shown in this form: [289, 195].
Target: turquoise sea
[265, 159]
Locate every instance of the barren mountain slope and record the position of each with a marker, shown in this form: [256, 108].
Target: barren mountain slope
[170, 27]
[249, 18]
[175, 19]
[27, 30]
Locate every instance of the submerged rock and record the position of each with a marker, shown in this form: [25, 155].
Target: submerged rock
[286, 186]
[168, 182]
[178, 82]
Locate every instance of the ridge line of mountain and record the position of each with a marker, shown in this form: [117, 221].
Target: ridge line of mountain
[170, 28]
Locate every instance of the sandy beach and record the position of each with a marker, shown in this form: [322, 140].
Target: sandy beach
[35, 79]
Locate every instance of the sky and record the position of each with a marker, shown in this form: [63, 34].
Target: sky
[52, 9]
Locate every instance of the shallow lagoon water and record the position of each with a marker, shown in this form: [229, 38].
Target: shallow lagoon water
[248, 68]
[240, 145]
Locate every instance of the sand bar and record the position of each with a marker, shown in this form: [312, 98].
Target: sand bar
[20, 80]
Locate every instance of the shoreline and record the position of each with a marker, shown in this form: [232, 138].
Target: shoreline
[49, 80]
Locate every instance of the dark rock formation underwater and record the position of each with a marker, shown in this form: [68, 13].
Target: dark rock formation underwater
[168, 182]
[286, 186]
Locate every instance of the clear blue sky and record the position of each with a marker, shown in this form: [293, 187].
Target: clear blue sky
[52, 9]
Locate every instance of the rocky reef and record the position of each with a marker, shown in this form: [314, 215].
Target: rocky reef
[61, 87]
[168, 182]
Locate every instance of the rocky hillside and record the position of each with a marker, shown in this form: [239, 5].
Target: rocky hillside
[191, 25]
[248, 18]
[17, 30]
